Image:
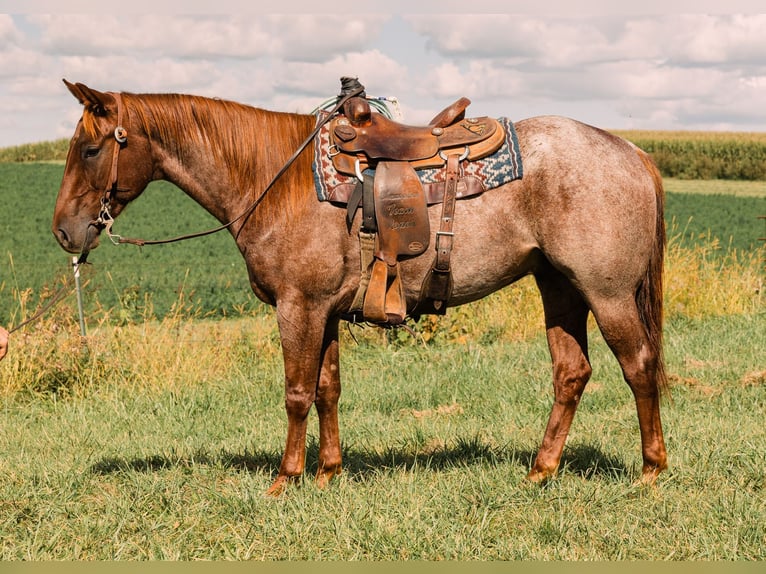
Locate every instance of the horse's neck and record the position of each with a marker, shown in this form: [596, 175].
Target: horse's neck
[226, 168]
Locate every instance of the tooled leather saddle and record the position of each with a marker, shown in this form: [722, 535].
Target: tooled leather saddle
[384, 155]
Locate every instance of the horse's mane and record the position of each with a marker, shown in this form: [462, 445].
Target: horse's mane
[250, 143]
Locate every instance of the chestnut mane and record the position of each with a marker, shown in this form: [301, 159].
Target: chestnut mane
[250, 143]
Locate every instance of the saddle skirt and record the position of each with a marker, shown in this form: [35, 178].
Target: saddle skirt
[477, 176]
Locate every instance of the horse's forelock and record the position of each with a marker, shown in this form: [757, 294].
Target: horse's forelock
[89, 123]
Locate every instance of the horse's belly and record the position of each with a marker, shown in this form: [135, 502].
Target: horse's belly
[492, 248]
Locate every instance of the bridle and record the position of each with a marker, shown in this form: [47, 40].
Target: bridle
[104, 221]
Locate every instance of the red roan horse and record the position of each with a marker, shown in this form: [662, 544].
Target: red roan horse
[586, 221]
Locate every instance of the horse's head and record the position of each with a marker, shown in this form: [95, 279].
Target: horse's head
[108, 165]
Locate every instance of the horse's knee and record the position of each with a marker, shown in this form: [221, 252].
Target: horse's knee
[328, 395]
[569, 380]
[298, 404]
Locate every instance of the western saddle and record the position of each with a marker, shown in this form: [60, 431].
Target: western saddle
[384, 156]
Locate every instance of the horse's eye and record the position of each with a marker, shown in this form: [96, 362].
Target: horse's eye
[91, 151]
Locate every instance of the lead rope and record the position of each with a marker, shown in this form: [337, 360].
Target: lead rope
[63, 292]
[346, 94]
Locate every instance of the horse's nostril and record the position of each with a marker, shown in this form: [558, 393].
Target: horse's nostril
[63, 237]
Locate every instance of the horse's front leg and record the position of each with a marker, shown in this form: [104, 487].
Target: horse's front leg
[310, 352]
[328, 394]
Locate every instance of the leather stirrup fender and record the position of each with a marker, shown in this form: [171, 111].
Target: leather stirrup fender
[401, 212]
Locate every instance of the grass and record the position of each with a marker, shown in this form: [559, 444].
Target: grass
[155, 436]
[155, 439]
[132, 468]
[726, 187]
[48, 151]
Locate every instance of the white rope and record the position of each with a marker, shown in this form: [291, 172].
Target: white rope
[380, 103]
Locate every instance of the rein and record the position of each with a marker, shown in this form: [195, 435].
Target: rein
[62, 293]
[55, 300]
[105, 219]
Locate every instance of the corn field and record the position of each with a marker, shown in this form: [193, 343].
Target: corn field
[704, 155]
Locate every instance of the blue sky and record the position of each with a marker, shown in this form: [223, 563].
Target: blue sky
[657, 71]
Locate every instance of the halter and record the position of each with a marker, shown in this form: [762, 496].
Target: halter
[105, 219]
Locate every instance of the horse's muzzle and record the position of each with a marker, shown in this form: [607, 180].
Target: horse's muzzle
[74, 245]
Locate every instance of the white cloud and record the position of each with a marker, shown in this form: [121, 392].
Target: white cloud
[667, 71]
[546, 41]
[698, 39]
[16, 63]
[129, 74]
[9, 35]
[729, 40]
[307, 38]
[556, 42]
[314, 38]
[657, 70]
[481, 79]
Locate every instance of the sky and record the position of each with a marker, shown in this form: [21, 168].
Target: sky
[690, 71]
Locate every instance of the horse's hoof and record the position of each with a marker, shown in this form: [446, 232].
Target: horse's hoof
[324, 476]
[538, 476]
[649, 475]
[280, 486]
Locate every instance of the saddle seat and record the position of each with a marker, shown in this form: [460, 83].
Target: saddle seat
[384, 155]
[362, 138]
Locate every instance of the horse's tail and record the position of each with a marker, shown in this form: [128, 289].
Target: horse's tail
[650, 292]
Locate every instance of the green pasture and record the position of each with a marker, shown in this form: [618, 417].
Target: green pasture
[155, 437]
[437, 441]
[208, 273]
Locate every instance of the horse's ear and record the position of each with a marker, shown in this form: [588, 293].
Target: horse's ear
[95, 101]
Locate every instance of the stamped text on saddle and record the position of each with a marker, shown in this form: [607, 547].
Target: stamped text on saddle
[384, 156]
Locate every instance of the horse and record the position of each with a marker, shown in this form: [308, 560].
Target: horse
[586, 220]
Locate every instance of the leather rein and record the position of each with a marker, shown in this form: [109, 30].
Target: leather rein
[104, 221]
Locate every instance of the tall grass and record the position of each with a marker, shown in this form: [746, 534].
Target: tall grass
[708, 279]
[55, 150]
[141, 349]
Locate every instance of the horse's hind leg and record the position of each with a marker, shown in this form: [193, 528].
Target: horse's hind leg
[566, 316]
[626, 336]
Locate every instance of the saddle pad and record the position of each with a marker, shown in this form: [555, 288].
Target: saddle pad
[492, 171]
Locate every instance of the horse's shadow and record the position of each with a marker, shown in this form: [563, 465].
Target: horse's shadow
[582, 460]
